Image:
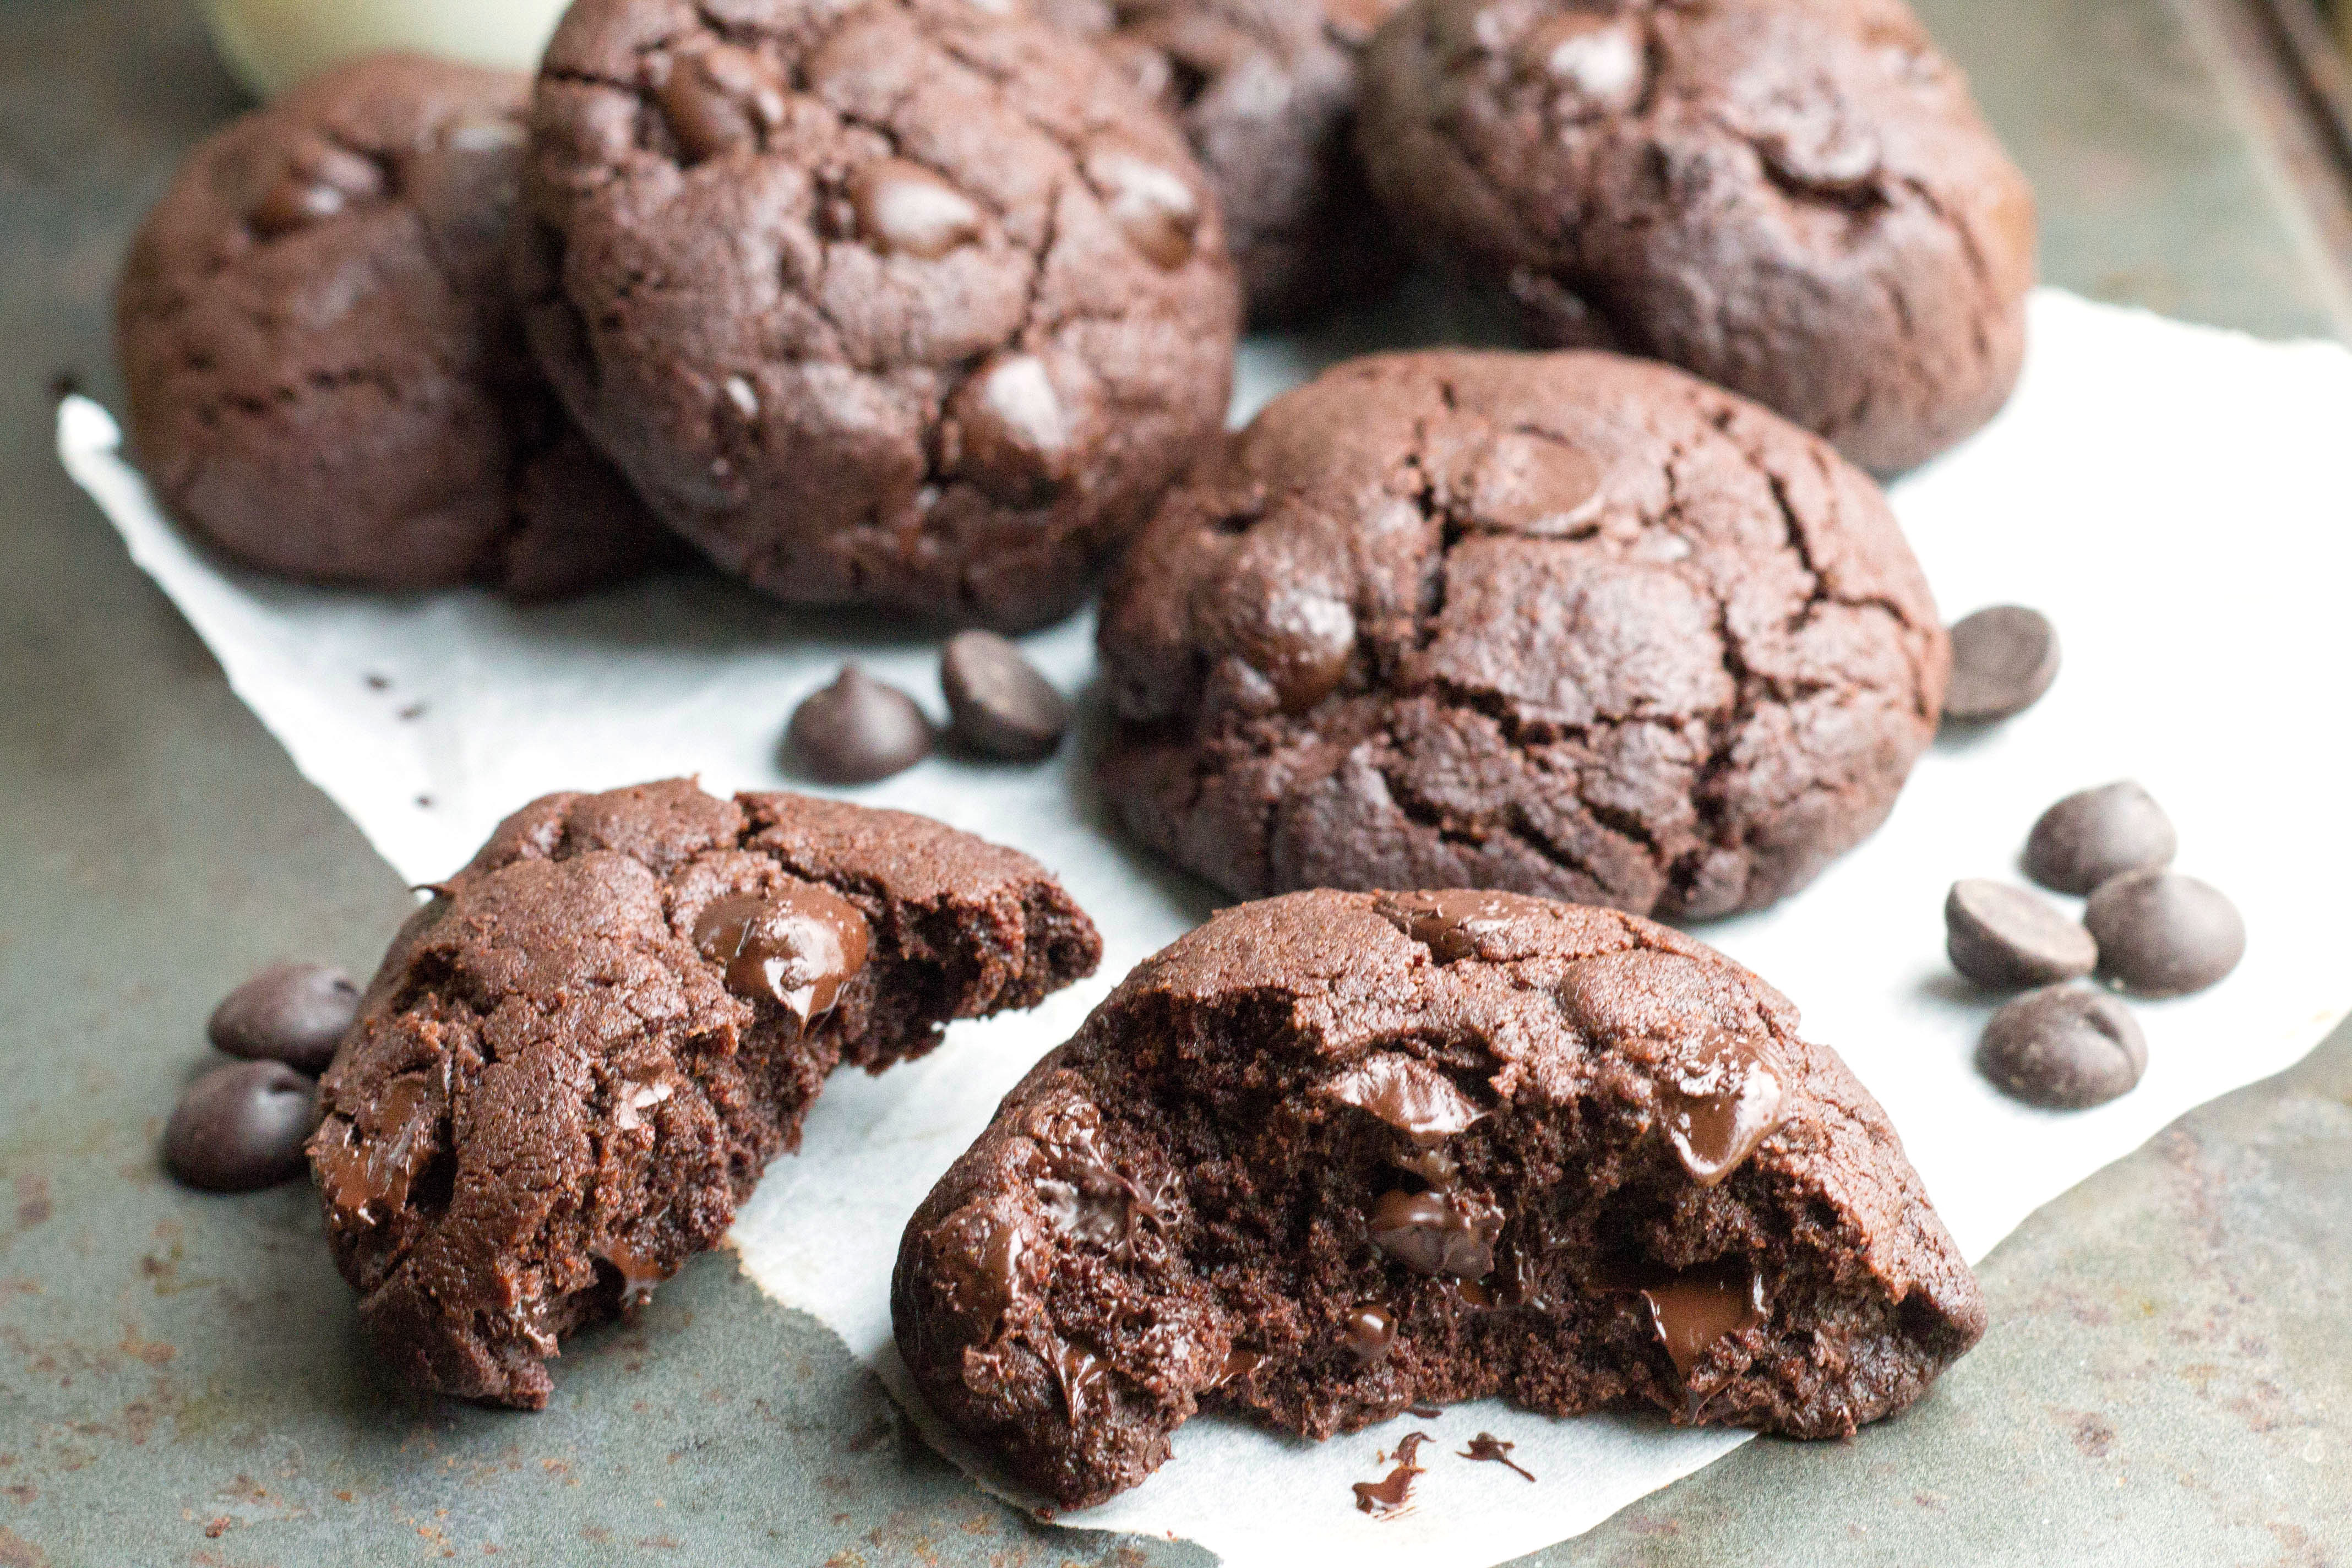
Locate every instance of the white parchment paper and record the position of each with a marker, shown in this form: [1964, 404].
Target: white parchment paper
[2178, 499]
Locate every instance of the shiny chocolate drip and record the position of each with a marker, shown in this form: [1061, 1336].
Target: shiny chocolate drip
[1388, 1494]
[797, 947]
[1719, 1101]
[1084, 1196]
[1488, 1448]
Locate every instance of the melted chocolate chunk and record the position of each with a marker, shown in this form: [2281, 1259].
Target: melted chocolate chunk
[1368, 1331]
[1389, 1495]
[1449, 922]
[639, 1274]
[1695, 1310]
[719, 98]
[369, 1183]
[1490, 1450]
[1437, 1232]
[1152, 204]
[1085, 1196]
[797, 947]
[904, 209]
[1239, 1363]
[1408, 1094]
[1082, 1376]
[1720, 1101]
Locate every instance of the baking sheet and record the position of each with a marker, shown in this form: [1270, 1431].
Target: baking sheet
[2175, 498]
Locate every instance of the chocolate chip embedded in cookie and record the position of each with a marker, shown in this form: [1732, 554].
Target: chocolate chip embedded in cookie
[577, 1059]
[326, 378]
[897, 302]
[1266, 90]
[1797, 199]
[1333, 1155]
[1566, 624]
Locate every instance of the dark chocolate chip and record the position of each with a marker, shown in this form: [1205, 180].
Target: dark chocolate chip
[241, 1127]
[1719, 1099]
[2164, 934]
[857, 731]
[1009, 431]
[1694, 1311]
[1369, 1331]
[904, 209]
[1150, 203]
[290, 1013]
[2067, 1046]
[2008, 938]
[2095, 834]
[998, 705]
[322, 181]
[2003, 659]
[719, 98]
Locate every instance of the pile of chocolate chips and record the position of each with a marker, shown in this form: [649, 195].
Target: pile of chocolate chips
[2146, 931]
[859, 730]
[241, 1126]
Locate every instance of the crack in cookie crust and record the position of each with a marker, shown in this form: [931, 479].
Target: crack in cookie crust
[1609, 635]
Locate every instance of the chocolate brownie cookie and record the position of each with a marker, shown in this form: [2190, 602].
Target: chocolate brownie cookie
[327, 377]
[1266, 90]
[897, 302]
[1795, 198]
[577, 1059]
[1336, 1153]
[1568, 624]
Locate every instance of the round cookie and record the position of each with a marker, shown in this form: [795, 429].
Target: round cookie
[327, 379]
[1335, 1154]
[1266, 90]
[1565, 624]
[1797, 199]
[898, 303]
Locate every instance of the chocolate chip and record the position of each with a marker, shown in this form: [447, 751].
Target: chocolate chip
[241, 1127]
[904, 209]
[2096, 833]
[290, 1013]
[857, 731]
[1369, 1331]
[322, 181]
[2008, 938]
[998, 705]
[2164, 934]
[1150, 203]
[2068, 1047]
[2003, 659]
[1008, 430]
[719, 98]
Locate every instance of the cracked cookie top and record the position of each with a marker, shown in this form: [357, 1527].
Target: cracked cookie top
[1563, 624]
[899, 302]
[1795, 198]
[1266, 90]
[326, 377]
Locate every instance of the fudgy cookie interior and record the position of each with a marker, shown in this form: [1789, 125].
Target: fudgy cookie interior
[1192, 1207]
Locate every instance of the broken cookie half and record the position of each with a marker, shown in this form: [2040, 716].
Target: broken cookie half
[575, 1061]
[1334, 1153]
